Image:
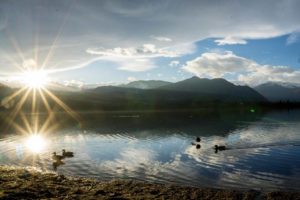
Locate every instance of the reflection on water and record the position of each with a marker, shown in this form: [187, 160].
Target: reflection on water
[35, 143]
[260, 153]
[56, 164]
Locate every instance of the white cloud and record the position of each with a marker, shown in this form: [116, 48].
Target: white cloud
[230, 40]
[293, 38]
[122, 24]
[131, 78]
[147, 50]
[135, 65]
[74, 83]
[183, 48]
[267, 73]
[215, 65]
[162, 39]
[174, 63]
[140, 58]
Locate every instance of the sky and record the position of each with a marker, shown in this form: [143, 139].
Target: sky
[80, 42]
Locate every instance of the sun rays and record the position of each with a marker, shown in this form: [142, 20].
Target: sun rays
[32, 99]
[35, 143]
[32, 107]
[35, 79]
[34, 94]
[33, 115]
[38, 99]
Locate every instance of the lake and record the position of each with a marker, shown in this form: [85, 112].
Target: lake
[263, 150]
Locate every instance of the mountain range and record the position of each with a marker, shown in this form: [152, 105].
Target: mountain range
[214, 89]
[218, 88]
[193, 91]
[276, 92]
[190, 93]
[271, 91]
[151, 84]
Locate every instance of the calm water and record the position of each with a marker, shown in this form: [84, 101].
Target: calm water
[264, 150]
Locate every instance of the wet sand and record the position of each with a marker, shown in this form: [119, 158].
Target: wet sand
[25, 183]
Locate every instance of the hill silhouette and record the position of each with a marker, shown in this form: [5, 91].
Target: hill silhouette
[218, 88]
[276, 92]
[191, 93]
[149, 84]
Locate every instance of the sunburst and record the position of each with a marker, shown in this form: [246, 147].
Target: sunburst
[34, 129]
[34, 92]
[35, 79]
[36, 143]
[37, 93]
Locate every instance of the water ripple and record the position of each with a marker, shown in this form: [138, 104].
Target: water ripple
[262, 154]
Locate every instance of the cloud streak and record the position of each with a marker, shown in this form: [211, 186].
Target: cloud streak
[140, 58]
[293, 38]
[230, 40]
[163, 39]
[147, 50]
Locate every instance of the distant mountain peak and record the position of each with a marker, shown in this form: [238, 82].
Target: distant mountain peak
[201, 82]
[218, 87]
[193, 78]
[280, 91]
[196, 78]
[145, 84]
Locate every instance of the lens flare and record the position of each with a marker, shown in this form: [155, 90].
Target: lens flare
[35, 79]
[35, 143]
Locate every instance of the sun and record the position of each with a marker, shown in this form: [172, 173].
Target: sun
[35, 79]
[35, 143]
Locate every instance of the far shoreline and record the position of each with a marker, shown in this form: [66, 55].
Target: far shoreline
[28, 183]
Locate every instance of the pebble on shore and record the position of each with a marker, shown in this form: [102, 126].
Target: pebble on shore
[22, 183]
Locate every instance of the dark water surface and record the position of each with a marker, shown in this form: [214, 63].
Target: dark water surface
[264, 151]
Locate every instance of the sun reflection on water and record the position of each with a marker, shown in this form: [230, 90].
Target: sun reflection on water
[36, 143]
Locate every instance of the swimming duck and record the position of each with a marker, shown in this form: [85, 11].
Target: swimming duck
[220, 148]
[57, 157]
[198, 139]
[67, 153]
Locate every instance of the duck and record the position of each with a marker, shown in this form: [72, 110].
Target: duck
[220, 148]
[198, 139]
[67, 153]
[57, 157]
[198, 146]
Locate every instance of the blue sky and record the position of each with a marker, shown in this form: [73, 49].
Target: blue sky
[271, 51]
[116, 41]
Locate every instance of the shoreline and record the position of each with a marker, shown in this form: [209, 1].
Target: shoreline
[27, 183]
